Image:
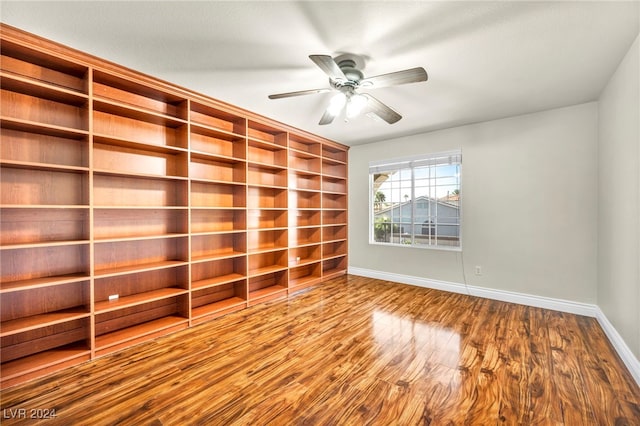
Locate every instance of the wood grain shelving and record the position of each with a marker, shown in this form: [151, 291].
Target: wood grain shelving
[131, 208]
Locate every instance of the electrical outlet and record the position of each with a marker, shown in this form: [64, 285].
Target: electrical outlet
[478, 270]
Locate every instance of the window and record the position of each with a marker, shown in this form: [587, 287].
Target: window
[416, 201]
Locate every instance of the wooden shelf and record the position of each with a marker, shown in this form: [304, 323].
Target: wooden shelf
[49, 68]
[261, 219]
[42, 166]
[300, 256]
[268, 286]
[266, 270]
[212, 301]
[125, 191]
[35, 127]
[304, 162]
[24, 267]
[303, 199]
[42, 187]
[334, 154]
[208, 117]
[42, 244]
[139, 97]
[206, 141]
[34, 283]
[137, 299]
[39, 89]
[304, 181]
[217, 255]
[334, 217]
[19, 106]
[304, 145]
[305, 275]
[116, 183]
[21, 325]
[220, 195]
[334, 266]
[134, 333]
[218, 220]
[109, 272]
[267, 240]
[267, 291]
[334, 249]
[217, 272]
[104, 107]
[217, 169]
[259, 197]
[299, 237]
[217, 246]
[266, 134]
[267, 262]
[124, 224]
[63, 356]
[39, 348]
[225, 305]
[216, 281]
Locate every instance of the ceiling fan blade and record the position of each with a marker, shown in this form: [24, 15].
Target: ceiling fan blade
[412, 75]
[299, 93]
[329, 66]
[381, 110]
[327, 117]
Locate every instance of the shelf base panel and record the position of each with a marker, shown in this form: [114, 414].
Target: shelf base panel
[140, 333]
[208, 312]
[43, 363]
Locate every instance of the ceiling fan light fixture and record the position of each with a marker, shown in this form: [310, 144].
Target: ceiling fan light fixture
[356, 104]
[337, 103]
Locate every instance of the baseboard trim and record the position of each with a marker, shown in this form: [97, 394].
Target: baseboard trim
[619, 344]
[561, 305]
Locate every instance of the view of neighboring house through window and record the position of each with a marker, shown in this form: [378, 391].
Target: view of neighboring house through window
[416, 201]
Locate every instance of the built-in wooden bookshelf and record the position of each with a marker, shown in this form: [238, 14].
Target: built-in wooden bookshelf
[132, 208]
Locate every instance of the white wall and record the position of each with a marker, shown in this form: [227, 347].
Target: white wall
[529, 209]
[618, 289]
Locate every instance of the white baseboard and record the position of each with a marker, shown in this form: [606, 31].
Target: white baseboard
[577, 308]
[619, 344]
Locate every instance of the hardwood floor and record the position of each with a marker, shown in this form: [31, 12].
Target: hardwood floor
[352, 351]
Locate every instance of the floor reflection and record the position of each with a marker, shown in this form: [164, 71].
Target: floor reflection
[420, 346]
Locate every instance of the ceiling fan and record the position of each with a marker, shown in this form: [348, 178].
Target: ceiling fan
[346, 77]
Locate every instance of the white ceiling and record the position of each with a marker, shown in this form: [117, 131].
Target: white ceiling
[485, 60]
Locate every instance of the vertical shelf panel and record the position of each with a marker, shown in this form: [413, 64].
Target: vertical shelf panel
[334, 210]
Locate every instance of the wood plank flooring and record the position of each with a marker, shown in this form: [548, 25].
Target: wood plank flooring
[353, 351]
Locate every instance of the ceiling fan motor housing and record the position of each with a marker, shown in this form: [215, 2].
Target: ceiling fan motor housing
[350, 71]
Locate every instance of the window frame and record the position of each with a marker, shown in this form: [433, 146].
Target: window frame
[411, 163]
